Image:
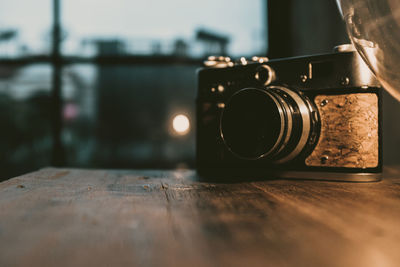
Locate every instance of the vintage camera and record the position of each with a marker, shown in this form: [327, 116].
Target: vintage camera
[314, 117]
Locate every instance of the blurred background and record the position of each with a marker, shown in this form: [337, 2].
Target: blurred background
[112, 84]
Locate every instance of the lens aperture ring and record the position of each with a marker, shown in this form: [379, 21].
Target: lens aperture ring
[304, 119]
[285, 129]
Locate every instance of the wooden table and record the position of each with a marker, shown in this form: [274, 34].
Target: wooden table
[70, 217]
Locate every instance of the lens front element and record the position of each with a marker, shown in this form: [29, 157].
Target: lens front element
[252, 123]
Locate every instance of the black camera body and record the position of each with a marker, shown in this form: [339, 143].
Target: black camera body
[314, 117]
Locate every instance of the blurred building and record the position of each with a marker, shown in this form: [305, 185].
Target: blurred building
[135, 106]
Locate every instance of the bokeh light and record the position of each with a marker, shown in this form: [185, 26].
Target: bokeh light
[181, 124]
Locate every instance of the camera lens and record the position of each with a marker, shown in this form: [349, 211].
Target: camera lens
[272, 123]
[252, 123]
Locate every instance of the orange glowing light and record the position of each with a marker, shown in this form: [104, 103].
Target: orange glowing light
[181, 124]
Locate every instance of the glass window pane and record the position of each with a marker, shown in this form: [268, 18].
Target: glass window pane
[25, 27]
[122, 116]
[166, 27]
[25, 119]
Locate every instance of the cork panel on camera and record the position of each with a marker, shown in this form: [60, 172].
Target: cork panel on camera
[349, 131]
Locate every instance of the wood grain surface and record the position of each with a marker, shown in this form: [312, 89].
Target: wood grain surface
[70, 217]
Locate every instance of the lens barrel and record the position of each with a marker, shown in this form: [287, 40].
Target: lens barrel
[273, 123]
